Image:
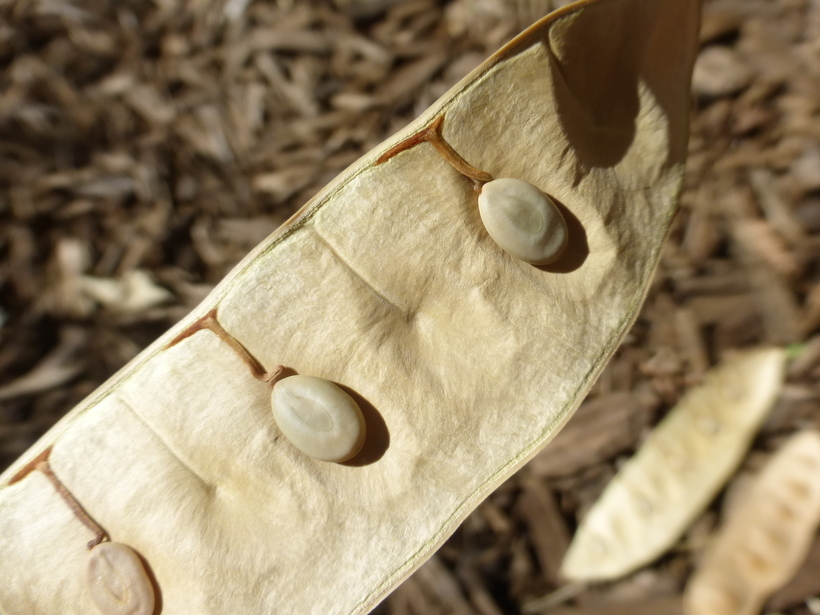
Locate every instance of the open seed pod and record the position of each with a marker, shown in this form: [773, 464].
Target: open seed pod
[767, 536]
[464, 360]
[680, 468]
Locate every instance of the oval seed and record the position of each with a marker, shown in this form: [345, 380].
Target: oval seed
[523, 220]
[117, 581]
[318, 417]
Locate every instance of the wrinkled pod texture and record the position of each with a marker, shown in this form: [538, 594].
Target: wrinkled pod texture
[117, 581]
[469, 361]
[524, 221]
[318, 418]
[766, 536]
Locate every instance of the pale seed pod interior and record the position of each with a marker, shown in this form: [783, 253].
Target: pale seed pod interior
[386, 281]
[117, 581]
[678, 470]
[523, 220]
[767, 536]
[318, 418]
[719, 597]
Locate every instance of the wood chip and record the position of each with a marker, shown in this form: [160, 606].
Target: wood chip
[600, 429]
[547, 528]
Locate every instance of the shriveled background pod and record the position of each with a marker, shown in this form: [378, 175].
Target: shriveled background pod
[766, 536]
[386, 284]
[680, 467]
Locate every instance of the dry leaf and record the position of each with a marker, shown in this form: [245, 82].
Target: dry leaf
[464, 360]
[60, 366]
[135, 292]
[766, 537]
[678, 470]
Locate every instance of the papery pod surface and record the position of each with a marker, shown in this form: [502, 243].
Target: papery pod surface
[680, 468]
[464, 360]
[765, 538]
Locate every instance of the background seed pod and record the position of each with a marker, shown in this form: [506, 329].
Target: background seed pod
[678, 470]
[766, 539]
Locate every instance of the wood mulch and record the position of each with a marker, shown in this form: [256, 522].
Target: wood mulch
[146, 147]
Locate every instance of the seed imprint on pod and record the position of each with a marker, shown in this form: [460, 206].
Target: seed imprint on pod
[318, 418]
[523, 220]
[117, 581]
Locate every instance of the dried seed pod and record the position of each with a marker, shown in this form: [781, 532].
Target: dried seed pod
[117, 581]
[523, 220]
[318, 417]
[766, 538]
[382, 268]
[678, 470]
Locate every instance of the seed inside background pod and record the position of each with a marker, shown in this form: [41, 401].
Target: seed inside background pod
[523, 220]
[318, 417]
[117, 581]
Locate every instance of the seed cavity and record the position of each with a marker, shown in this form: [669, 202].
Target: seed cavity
[318, 417]
[524, 221]
[117, 581]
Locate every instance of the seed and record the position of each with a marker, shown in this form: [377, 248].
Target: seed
[318, 417]
[523, 220]
[117, 581]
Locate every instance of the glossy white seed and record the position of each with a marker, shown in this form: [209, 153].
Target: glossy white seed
[117, 581]
[523, 220]
[318, 417]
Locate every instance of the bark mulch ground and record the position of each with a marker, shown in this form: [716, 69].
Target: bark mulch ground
[146, 147]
